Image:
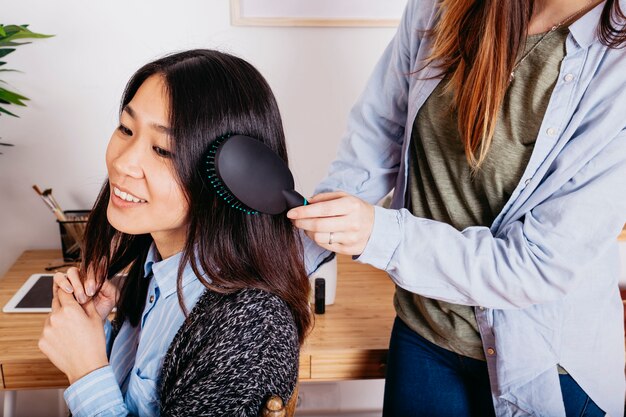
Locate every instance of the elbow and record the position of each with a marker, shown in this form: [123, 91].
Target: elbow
[528, 287]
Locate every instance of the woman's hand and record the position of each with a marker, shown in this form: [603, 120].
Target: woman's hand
[336, 221]
[73, 336]
[70, 282]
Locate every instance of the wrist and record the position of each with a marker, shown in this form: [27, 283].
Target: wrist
[86, 370]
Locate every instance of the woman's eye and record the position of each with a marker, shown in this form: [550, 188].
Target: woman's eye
[162, 152]
[124, 130]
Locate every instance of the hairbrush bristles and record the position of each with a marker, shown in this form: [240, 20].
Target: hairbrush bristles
[220, 188]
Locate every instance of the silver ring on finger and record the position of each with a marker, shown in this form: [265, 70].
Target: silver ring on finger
[330, 238]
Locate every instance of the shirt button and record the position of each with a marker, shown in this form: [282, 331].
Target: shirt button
[551, 131]
[491, 351]
[151, 298]
[527, 181]
[481, 308]
[568, 77]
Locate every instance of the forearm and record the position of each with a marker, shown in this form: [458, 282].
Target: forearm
[537, 258]
[472, 267]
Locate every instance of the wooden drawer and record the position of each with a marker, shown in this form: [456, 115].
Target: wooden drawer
[31, 374]
[369, 364]
[24, 375]
[304, 370]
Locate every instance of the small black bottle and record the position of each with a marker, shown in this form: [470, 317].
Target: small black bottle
[320, 295]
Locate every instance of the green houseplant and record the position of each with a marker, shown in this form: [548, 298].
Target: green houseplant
[10, 37]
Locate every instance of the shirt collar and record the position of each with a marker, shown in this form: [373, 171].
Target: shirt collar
[165, 271]
[584, 30]
[152, 258]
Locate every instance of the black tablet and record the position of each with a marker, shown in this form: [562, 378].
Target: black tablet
[34, 296]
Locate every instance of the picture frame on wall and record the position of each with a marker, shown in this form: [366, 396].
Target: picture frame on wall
[320, 13]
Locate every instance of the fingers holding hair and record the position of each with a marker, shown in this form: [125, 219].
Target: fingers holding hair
[60, 280]
[56, 305]
[70, 282]
[73, 275]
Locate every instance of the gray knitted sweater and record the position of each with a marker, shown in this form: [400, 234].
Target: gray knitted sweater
[233, 352]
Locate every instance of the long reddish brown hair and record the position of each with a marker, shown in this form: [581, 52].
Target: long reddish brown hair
[477, 43]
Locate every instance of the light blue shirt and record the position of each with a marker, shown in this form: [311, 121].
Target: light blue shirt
[544, 276]
[100, 392]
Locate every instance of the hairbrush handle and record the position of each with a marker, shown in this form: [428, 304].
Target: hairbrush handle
[294, 199]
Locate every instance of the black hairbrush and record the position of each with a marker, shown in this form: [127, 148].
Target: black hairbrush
[250, 177]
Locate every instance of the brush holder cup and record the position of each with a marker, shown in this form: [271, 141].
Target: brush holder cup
[72, 232]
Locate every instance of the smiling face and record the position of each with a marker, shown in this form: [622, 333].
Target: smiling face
[145, 196]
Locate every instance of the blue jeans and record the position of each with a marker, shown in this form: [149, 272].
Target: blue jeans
[424, 379]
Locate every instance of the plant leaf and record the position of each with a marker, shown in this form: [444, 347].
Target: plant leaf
[10, 29]
[3, 110]
[9, 34]
[6, 51]
[12, 97]
[9, 43]
[14, 32]
[28, 35]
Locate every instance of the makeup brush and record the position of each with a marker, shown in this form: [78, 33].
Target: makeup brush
[48, 193]
[50, 203]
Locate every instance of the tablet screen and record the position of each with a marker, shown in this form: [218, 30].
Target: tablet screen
[34, 296]
[39, 295]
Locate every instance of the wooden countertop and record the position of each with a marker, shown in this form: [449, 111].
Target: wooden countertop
[21, 362]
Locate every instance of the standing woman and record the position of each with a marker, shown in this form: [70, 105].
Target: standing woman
[500, 124]
[214, 307]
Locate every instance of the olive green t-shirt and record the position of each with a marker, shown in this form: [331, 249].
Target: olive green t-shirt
[441, 187]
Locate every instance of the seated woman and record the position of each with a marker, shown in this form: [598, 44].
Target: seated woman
[214, 306]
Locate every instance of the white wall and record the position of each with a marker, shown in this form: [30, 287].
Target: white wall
[75, 82]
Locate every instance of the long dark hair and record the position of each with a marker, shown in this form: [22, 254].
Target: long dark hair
[477, 44]
[211, 94]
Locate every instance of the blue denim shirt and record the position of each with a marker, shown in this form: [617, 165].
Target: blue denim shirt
[543, 277]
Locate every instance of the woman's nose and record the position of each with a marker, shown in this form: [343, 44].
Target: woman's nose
[129, 160]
